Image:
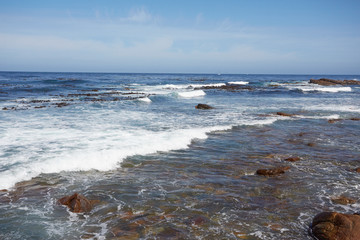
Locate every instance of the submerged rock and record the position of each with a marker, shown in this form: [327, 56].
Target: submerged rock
[77, 203]
[311, 144]
[272, 171]
[336, 226]
[331, 82]
[203, 106]
[343, 200]
[292, 159]
[334, 120]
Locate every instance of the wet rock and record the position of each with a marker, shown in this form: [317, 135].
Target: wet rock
[292, 159]
[343, 200]
[311, 144]
[357, 170]
[62, 104]
[203, 106]
[331, 82]
[355, 119]
[37, 107]
[272, 171]
[285, 114]
[301, 134]
[170, 233]
[77, 203]
[336, 226]
[197, 220]
[334, 120]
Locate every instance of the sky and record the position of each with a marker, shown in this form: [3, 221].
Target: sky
[227, 36]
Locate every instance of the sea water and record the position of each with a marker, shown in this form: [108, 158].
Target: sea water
[162, 169]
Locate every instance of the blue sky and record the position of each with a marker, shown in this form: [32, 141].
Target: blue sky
[234, 36]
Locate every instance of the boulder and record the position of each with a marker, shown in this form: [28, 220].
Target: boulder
[336, 226]
[203, 106]
[272, 171]
[77, 203]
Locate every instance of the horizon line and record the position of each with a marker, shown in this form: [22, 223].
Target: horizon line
[186, 73]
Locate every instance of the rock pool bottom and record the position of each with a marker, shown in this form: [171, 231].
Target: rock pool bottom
[208, 191]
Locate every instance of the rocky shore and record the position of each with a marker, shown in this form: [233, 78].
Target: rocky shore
[332, 82]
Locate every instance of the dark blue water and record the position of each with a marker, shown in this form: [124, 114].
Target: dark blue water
[162, 169]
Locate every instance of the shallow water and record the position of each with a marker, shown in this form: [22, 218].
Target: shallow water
[165, 170]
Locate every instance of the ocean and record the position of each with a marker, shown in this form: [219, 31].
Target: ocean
[159, 168]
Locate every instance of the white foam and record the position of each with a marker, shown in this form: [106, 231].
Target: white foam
[144, 99]
[191, 94]
[326, 89]
[318, 88]
[207, 85]
[335, 108]
[103, 151]
[238, 83]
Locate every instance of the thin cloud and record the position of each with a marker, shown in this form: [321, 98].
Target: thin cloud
[140, 15]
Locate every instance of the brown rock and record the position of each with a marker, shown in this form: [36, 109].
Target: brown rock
[336, 226]
[325, 81]
[292, 159]
[357, 170]
[343, 200]
[330, 82]
[197, 220]
[334, 120]
[77, 203]
[203, 106]
[355, 119]
[272, 171]
[285, 114]
[311, 144]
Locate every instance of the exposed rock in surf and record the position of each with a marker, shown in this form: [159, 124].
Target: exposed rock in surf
[334, 120]
[357, 170]
[331, 82]
[37, 107]
[203, 106]
[272, 171]
[285, 114]
[62, 104]
[355, 119]
[77, 203]
[336, 226]
[292, 159]
[343, 200]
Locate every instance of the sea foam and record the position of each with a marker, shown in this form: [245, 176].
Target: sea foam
[102, 153]
[238, 83]
[316, 88]
[191, 94]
